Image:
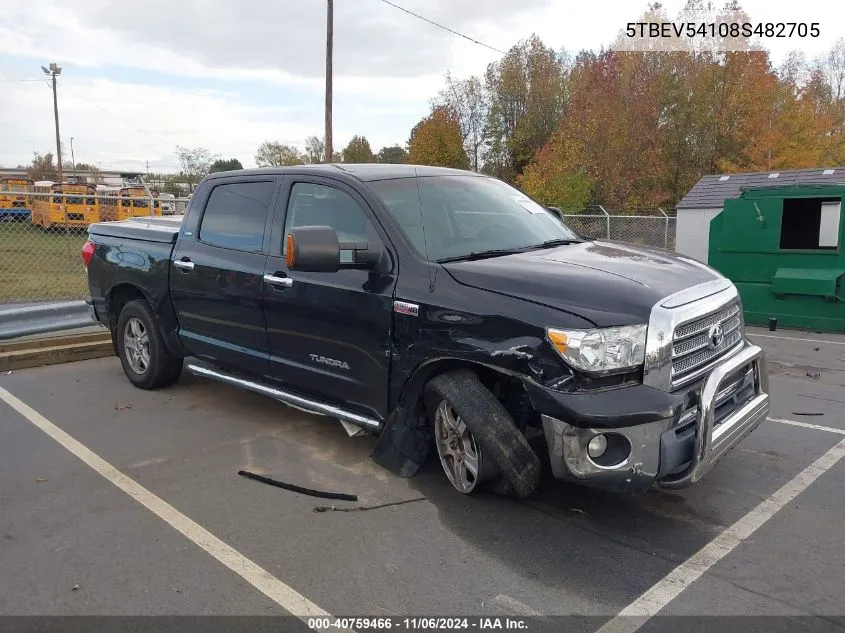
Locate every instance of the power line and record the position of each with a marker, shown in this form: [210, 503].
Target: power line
[18, 81]
[445, 28]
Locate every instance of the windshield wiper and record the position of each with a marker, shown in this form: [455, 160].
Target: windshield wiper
[557, 242]
[493, 252]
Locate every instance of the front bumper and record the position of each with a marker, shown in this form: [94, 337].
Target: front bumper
[671, 451]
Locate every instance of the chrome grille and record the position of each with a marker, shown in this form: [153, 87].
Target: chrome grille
[703, 324]
[692, 350]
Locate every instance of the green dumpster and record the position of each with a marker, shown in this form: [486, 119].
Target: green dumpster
[782, 247]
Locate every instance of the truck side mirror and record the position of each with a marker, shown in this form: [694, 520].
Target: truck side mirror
[316, 249]
[557, 211]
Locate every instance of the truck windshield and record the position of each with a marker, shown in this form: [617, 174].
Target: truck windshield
[450, 217]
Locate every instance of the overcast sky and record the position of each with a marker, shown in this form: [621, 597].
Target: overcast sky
[140, 78]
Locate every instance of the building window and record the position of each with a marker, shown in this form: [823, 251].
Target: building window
[810, 224]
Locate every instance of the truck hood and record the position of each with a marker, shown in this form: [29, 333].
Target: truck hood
[607, 283]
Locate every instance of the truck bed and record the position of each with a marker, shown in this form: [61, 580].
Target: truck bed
[162, 229]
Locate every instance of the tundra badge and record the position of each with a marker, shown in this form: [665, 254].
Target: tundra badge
[331, 362]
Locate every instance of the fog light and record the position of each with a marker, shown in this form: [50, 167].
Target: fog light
[597, 446]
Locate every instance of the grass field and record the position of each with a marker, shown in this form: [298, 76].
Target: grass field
[39, 265]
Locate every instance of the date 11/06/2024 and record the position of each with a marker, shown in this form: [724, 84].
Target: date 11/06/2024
[481, 623]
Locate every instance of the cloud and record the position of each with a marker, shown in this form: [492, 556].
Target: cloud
[124, 124]
[135, 86]
[215, 74]
[284, 40]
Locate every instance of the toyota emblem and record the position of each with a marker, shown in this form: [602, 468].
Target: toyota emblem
[716, 335]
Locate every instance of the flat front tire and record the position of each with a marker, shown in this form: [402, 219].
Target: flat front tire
[476, 438]
[139, 345]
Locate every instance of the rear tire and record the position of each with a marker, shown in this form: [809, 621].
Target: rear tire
[145, 359]
[491, 430]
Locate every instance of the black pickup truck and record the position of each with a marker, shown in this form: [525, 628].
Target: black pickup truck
[443, 308]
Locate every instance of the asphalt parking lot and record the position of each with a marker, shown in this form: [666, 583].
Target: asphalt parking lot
[116, 501]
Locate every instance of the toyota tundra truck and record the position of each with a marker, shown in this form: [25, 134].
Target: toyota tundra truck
[438, 309]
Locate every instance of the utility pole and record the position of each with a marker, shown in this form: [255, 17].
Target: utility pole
[72, 158]
[329, 37]
[53, 71]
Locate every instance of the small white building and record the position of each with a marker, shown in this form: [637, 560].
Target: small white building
[707, 199]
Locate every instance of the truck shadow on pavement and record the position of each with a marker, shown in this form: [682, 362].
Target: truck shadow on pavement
[566, 532]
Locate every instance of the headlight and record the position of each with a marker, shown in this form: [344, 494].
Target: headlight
[603, 350]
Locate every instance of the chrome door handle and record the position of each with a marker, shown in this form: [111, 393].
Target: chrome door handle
[286, 282]
[184, 265]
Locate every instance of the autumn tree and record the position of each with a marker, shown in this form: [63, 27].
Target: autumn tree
[831, 75]
[315, 150]
[555, 178]
[42, 167]
[358, 151]
[230, 164]
[631, 129]
[436, 140]
[276, 154]
[394, 155]
[196, 163]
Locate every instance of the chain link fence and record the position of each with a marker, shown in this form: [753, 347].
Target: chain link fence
[42, 233]
[647, 227]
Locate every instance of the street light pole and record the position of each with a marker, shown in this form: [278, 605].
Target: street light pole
[53, 71]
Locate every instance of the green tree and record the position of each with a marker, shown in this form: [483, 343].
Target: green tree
[527, 91]
[315, 150]
[469, 102]
[358, 151]
[276, 154]
[94, 175]
[394, 155]
[221, 164]
[436, 140]
[42, 167]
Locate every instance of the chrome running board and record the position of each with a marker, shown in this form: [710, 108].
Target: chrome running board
[290, 399]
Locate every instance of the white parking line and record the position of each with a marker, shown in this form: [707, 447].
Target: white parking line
[794, 338]
[670, 587]
[807, 425]
[261, 579]
[514, 606]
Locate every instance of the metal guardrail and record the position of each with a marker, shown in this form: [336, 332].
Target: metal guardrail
[49, 317]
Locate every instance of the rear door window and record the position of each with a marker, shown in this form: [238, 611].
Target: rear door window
[235, 215]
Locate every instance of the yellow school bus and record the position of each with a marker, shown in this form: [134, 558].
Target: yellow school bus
[127, 202]
[14, 201]
[65, 205]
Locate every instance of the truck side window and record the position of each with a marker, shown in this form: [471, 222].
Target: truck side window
[317, 205]
[235, 215]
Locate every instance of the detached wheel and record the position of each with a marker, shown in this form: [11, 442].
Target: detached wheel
[476, 438]
[143, 355]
